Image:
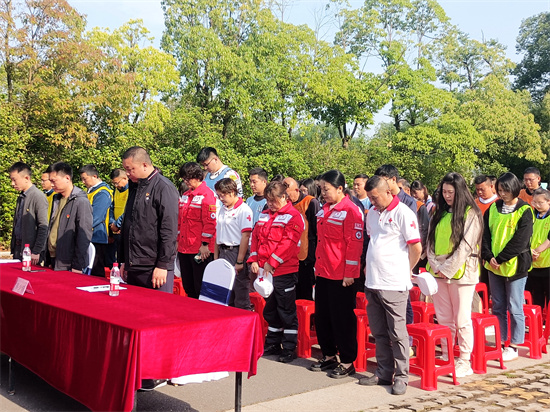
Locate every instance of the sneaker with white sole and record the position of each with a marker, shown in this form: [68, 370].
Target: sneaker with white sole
[463, 368]
[509, 354]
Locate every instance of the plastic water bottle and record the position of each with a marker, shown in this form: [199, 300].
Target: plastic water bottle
[27, 258]
[115, 280]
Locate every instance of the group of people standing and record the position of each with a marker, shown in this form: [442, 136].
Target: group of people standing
[313, 233]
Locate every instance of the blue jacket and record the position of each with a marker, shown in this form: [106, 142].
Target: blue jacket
[101, 203]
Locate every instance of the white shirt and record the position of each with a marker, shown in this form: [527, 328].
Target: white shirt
[390, 234]
[232, 223]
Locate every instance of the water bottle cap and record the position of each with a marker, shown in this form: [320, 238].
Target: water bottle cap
[27, 245]
[115, 265]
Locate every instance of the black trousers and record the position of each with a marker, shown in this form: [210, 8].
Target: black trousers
[98, 268]
[306, 280]
[240, 295]
[192, 273]
[335, 319]
[143, 276]
[280, 312]
[538, 283]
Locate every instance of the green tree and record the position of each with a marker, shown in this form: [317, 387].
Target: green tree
[533, 41]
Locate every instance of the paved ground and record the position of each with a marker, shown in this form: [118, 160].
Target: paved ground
[524, 386]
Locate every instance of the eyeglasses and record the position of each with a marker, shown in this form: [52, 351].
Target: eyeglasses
[205, 165]
[530, 180]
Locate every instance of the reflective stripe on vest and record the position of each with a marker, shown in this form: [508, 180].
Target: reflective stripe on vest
[50, 202]
[91, 199]
[120, 199]
[541, 227]
[502, 227]
[304, 244]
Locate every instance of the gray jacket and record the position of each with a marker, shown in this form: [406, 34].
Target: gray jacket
[34, 224]
[75, 231]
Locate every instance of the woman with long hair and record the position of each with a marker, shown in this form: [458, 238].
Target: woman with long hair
[338, 254]
[454, 239]
[506, 250]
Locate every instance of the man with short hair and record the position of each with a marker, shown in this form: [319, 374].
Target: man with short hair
[308, 206]
[258, 182]
[119, 179]
[70, 229]
[531, 179]
[100, 197]
[404, 185]
[48, 189]
[149, 229]
[359, 188]
[485, 190]
[394, 250]
[216, 170]
[30, 222]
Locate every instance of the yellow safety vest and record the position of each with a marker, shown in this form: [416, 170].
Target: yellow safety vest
[541, 227]
[91, 199]
[120, 199]
[50, 203]
[443, 245]
[503, 227]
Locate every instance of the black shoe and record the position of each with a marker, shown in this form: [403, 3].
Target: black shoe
[272, 350]
[341, 371]
[151, 384]
[287, 356]
[373, 380]
[399, 388]
[324, 364]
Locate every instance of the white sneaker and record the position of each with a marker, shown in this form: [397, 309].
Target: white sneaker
[509, 354]
[463, 368]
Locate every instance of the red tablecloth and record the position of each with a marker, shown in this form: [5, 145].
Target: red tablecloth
[96, 348]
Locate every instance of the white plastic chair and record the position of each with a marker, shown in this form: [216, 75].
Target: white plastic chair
[217, 283]
[91, 258]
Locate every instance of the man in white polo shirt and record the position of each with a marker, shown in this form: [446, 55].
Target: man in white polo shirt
[233, 228]
[393, 251]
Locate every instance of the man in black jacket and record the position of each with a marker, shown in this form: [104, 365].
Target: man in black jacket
[149, 230]
[148, 238]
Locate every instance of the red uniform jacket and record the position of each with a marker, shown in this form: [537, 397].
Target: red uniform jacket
[275, 239]
[340, 234]
[197, 219]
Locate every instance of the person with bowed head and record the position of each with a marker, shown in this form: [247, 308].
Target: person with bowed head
[340, 234]
[274, 248]
[454, 240]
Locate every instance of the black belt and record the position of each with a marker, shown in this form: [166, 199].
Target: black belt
[227, 247]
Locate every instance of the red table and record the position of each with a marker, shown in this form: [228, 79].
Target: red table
[97, 349]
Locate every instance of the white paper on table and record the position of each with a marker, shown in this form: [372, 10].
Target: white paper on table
[98, 288]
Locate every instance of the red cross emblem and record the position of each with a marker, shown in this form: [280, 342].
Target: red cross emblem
[249, 218]
[413, 225]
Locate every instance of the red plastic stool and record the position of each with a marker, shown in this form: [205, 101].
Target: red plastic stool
[360, 301]
[481, 351]
[423, 312]
[178, 287]
[534, 339]
[414, 294]
[259, 304]
[307, 336]
[481, 289]
[365, 349]
[425, 336]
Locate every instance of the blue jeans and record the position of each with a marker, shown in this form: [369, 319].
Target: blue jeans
[508, 297]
